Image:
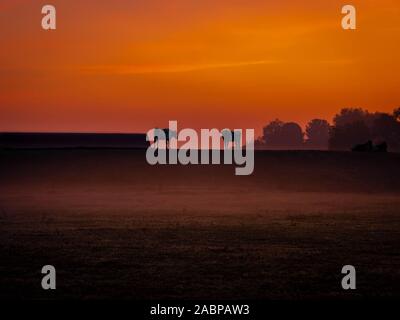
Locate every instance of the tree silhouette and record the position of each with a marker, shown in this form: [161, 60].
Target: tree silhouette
[346, 136]
[351, 115]
[351, 126]
[292, 135]
[317, 133]
[356, 126]
[387, 128]
[278, 134]
[272, 133]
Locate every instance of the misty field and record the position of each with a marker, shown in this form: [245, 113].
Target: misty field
[115, 227]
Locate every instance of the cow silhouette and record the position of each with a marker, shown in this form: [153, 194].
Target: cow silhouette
[369, 147]
[232, 138]
[382, 147]
[364, 147]
[164, 134]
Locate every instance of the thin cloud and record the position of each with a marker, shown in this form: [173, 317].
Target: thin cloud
[145, 69]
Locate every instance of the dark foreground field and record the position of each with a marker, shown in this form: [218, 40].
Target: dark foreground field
[115, 227]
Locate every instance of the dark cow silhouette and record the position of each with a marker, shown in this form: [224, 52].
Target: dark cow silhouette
[382, 147]
[168, 134]
[369, 147]
[364, 147]
[232, 138]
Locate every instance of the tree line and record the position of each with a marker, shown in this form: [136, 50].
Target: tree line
[351, 126]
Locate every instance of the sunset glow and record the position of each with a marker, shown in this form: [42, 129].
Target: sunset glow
[128, 66]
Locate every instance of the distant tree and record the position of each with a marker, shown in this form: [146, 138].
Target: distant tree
[386, 128]
[292, 135]
[272, 132]
[356, 126]
[346, 136]
[317, 134]
[351, 115]
[396, 114]
[278, 134]
[351, 126]
[259, 143]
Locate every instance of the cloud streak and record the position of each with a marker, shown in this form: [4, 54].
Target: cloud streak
[172, 68]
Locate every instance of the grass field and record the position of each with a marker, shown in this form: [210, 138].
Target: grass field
[115, 227]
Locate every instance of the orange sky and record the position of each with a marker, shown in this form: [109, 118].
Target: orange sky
[128, 66]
